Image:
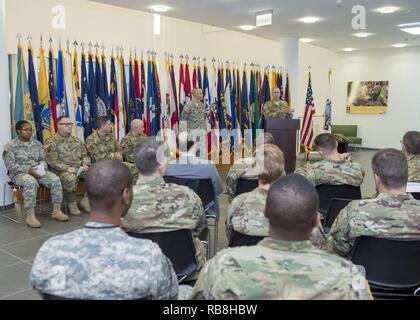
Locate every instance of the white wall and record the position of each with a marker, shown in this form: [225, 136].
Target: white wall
[401, 67]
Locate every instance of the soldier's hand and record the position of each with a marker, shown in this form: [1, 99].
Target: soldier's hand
[345, 156]
[72, 170]
[85, 168]
[33, 173]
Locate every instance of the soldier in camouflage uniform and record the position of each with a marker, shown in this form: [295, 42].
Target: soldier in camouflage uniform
[392, 214]
[246, 212]
[277, 108]
[66, 155]
[194, 113]
[159, 206]
[131, 140]
[21, 157]
[244, 168]
[411, 150]
[102, 145]
[100, 261]
[284, 265]
[334, 169]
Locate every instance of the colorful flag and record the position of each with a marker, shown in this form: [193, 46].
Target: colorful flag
[280, 84]
[120, 110]
[194, 78]
[245, 117]
[101, 108]
[328, 106]
[182, 97]
[52, 87]
[86, 112]
[70, 94]
[274, 76]
[158, 96]
[124, 95]
[78, 98]
[307, 126]
[92, 91]
[47, 124]
[145, 115]
[228, 100]
[139, 105]
[131, 94]
[62, 109]
[287, 90]
[104, 92]
[151, 104]
[254, 103]
[113, 99]
[174, 104]
[23, 104]
[33, 90]
[187, 84]
[199, 78]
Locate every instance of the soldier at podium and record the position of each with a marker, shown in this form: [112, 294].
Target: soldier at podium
[277, 108]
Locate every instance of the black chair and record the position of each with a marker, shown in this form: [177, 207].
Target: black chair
[334, 208]
[246, 185]
[416, 195]
[204, 189]
[178, 246]
[327, 192]
[392, 265]
[238, 239]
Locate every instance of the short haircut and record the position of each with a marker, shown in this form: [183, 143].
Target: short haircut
[411, 141]
[273, 164]
[106, 181]
[61, 118]
[292, 205]
[145, 156]
[266, 138]
[101, 122]
[325, 142]
[390, 165]
[20, 124]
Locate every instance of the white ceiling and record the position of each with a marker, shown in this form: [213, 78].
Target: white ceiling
[334, 32]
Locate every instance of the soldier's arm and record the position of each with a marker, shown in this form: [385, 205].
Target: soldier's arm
[307, 173]
[233, 211]
[93, 150]
[126, 150]
[235, 172]
[85, 156]
[203, 286]
[338, 241]
[10, 162]
[53, 160]
[42, 159]
[198, 216]
[185, 113]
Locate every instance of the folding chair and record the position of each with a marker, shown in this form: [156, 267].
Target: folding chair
[238, 239]
[327, 192]
[246, 185]
[178, 246]
[334, 208]
[392, 266]
[15, 189]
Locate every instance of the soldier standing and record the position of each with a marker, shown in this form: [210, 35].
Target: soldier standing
[67, 157]
[277, 108]
[25, 161]
[194, 113]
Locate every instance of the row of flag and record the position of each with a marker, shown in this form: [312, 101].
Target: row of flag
[63, 87]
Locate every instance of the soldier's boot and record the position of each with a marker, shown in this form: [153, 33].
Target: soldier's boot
[74, 210]
[57, 214]
[84, 204]
[31, 220]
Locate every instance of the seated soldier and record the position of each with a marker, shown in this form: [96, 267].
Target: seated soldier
[102, 145]
[100, 261]
[25, 162]
[67, 157]
[159, 206]
[392, 214]
[411, 150]
[285, 265]
[242, 168]
[246, 212]
[131, 140]
[333, 169]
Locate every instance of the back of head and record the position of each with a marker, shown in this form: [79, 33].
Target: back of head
[105, 183]
[266, 138]
[391, 167]
[146, 156]
[292, 206]
[273, 160]
[411, 141]
[325, 142]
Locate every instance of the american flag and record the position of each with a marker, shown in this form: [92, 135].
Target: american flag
[307, 127]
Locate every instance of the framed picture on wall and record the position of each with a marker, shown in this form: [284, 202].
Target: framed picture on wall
[367, 97]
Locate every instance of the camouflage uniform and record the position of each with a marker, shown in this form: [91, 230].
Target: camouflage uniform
[414, 168]
[63, 153]
[194, 114]
[19, 157]
[107, 147]
[279, 270]
[101, 262]
[159, 206]
[333, 173]
[129, 143]
[387, 216]
[239, 170]
[277, 110]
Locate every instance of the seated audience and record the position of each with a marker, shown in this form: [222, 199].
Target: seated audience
[132, 139]
[392, 214]
[285, 265]
[100, 261]
[411, 150]
[333, 169]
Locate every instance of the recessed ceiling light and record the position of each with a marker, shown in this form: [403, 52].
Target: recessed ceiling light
[247, 27]
[362, 34]
[387, 10]
[348, 49]
[160, 8]
[306, 40]
[309, 19]
[399, 45]
[414, 31]
[264, 18]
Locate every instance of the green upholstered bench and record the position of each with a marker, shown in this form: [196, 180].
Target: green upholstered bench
[349, 131]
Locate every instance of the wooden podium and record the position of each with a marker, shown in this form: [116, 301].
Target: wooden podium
[284, 131]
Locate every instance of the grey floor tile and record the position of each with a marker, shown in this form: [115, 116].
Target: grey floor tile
[7, 260]
[25, 250]
[16, 233]
[14, 278]
[28, 294]
[53, 226]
